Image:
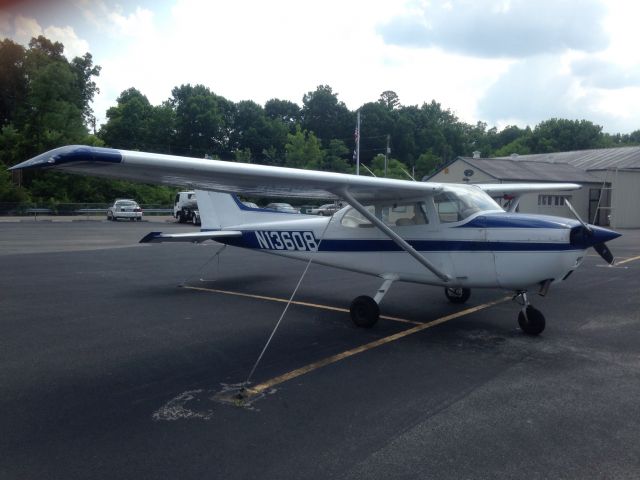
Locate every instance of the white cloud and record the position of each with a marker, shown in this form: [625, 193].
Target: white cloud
[601, 73]
[540, 88]
[515, 28]
[73, 45]
[5, 24]
[497, 61]
[25, 29]
[136, 24]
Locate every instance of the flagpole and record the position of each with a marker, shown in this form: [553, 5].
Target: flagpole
[358, 145]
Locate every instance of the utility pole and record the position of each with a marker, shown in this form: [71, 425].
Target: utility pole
[386, 156]
[358, 145]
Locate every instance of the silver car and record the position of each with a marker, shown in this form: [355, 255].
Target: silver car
[282, 207]
[327, 209]
[124, 208]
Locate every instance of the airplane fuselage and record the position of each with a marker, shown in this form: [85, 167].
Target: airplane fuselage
[489, 249]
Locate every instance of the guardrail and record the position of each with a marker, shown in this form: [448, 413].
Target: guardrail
[70, 209]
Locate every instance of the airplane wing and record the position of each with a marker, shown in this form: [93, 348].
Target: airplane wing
[243, 178]
[191, 237]
[514, 191]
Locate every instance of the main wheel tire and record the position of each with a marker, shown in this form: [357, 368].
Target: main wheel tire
[533, 323]
[364, 311]
[180, 217]
[457, 295]
[194, 220]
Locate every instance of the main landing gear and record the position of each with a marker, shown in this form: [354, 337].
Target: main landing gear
[530, 319]
[457, 295]
[364, 309]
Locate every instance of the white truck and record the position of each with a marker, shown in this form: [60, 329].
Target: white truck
[185, 208]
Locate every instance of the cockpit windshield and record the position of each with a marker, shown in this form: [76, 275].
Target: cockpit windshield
[457, 203]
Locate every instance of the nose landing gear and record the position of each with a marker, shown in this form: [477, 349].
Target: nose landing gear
[530, 319]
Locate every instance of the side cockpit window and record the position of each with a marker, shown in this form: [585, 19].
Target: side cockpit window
[449, 207]
[393, 215]
[457, 204]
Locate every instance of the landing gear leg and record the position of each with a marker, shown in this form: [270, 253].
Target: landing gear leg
[364, 310]
[530, 319]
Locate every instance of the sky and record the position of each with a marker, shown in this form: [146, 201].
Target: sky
[503, 62]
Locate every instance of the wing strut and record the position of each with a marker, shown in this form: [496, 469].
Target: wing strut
[394, 236]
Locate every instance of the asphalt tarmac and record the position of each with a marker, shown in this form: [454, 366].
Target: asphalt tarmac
[119, 360]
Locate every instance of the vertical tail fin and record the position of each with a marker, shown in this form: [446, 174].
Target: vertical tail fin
[217, 210]
[221, 210]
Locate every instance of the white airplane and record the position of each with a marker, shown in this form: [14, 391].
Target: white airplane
[449, 235]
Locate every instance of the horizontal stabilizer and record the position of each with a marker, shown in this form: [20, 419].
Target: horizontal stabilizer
[191, 237]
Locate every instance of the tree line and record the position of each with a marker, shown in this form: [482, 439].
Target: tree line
[45, 102]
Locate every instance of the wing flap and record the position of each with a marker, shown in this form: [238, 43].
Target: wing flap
[521, 188]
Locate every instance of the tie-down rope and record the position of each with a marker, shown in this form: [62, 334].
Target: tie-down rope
[293, 294]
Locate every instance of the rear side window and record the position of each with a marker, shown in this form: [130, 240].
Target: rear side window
[394, 215]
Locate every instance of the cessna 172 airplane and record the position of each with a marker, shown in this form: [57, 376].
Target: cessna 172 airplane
[449, 235]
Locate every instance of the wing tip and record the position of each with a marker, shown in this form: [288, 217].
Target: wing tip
[70, 154]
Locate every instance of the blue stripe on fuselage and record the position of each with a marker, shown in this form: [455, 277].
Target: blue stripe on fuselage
[249, 240]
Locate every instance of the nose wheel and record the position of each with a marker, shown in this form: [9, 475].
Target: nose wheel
[457, 295]
[530, 319]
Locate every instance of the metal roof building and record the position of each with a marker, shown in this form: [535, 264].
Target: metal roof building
[610, 178]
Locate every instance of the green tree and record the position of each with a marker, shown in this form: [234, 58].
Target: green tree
[562, 135]
[85, 87]
[326, 116]
[426, 164]
[253, 130]
[13, 79]
[336, 158]
[389, 99]
[9, 192]
[376, 123]
[200, 124]
[161, 128]
[285, 111]
[50, 115]
[243, 156]
[519, 146]
[395, 168]
[128, 123]
[303, 150]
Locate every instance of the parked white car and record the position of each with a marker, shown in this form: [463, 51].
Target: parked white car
[282, 207]
[327, 209]
[124, 208]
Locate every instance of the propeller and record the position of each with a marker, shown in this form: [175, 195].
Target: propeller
[590, 236]
[604, 252]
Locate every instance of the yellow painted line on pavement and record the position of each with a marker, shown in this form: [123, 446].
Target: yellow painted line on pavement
[261, 387]
[627, 260]
[294, 302]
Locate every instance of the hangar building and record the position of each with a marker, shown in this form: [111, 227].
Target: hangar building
[610, 179]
